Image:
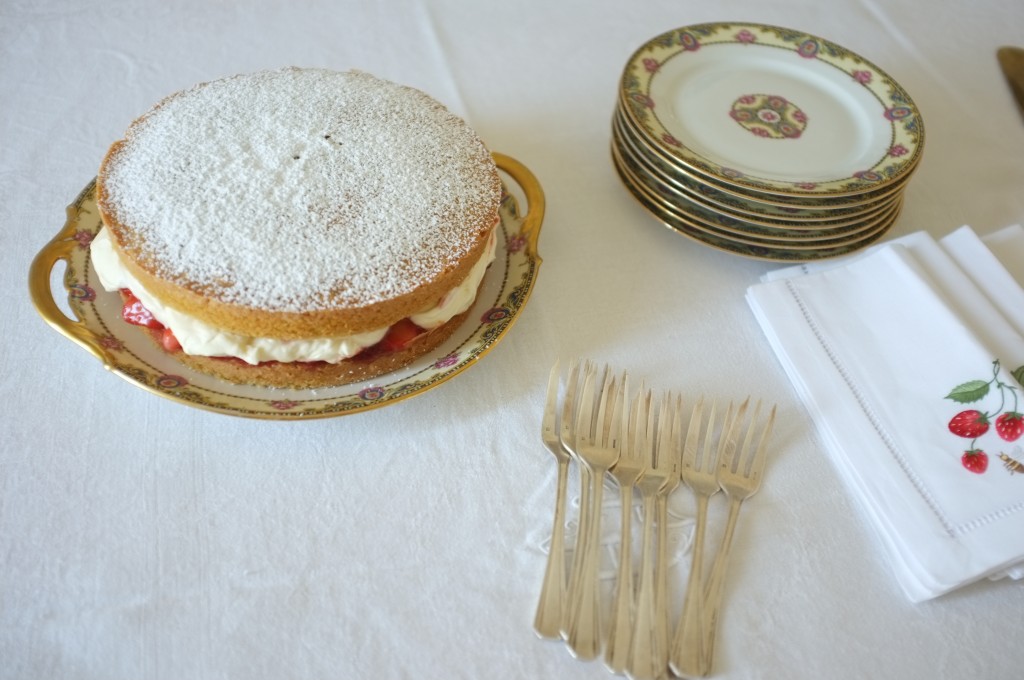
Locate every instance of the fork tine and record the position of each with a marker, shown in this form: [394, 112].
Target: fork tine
[758, 460]
[585, 410]
[551, 402]
[747, 453]
[605, 408]
[728, 456]
[664, 429]
[652, 424]
[568, 424]
[677, 432]
[636, 416]
[728, 425]
[618, 414]
[708, 433]
[693, 434]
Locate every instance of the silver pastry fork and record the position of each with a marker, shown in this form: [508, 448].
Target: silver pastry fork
[598, 444]
[573, 403]
[644, 652]
[700, 474]
[633, 455]
[671, 450]
[739, 475]
[551, 605]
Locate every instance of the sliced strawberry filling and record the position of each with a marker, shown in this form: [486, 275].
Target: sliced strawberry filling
[398, 337]
[134, 312]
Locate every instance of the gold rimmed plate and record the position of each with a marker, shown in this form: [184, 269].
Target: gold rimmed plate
[128, 352]
[722, 98]
[691, 224]
[723, 200]
[674, 201]
[771, 253]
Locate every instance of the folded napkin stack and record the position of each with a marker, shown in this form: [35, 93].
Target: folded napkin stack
[910, 357]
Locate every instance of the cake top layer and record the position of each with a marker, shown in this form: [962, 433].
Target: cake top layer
[299, 190]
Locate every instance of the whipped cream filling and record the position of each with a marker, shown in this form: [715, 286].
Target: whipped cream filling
[202, 339]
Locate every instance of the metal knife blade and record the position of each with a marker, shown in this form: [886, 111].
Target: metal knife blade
[1011, 60]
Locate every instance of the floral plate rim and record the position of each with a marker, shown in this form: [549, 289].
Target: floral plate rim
[907, 127]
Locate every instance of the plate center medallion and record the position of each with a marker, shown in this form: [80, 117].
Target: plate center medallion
[768, 115]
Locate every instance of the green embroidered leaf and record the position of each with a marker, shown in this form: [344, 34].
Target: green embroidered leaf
[1018, 375]
[968, 392]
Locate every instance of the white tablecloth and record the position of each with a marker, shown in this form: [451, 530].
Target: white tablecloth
[140, 538]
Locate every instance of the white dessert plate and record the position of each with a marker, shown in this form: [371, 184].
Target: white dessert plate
[128, 351]
[773, 110]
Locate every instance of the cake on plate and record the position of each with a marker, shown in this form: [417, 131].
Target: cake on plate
[298, 227]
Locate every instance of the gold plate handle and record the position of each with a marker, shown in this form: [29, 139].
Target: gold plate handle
[59, 249]
[535, 202]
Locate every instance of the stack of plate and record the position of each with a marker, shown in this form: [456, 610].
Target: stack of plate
[764, 141]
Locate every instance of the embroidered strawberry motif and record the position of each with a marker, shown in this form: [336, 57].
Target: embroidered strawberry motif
[974, 423]
[1010, 426]
[975, 460]
[969, 424]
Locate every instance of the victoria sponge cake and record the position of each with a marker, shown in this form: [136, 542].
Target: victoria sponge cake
[297, 227]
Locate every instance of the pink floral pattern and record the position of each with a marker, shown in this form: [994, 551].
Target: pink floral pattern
[516, 243]
[171, 382]
[447, 360]
[669, 139]
[84, 238]
[111, 343]
[868, 176]
[689, 41]
[371, 393]
[82, 292]
[862, 77]
[644, 100]
[495, 314]
[809, 49]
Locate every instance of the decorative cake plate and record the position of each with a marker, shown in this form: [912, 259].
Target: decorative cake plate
[129, 352]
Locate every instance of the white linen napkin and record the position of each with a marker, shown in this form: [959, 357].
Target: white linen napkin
[876, 345]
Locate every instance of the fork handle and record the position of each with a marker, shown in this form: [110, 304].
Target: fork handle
[714, 589]
[661, 624]
[620, 631]
[643, 650]
[687, 647]
[585, 631]
[576, 571]
[550, 607]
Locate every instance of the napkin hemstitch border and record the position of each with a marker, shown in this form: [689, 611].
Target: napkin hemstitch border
[865, 407]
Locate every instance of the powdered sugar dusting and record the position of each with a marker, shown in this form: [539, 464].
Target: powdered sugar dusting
[301, 189]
